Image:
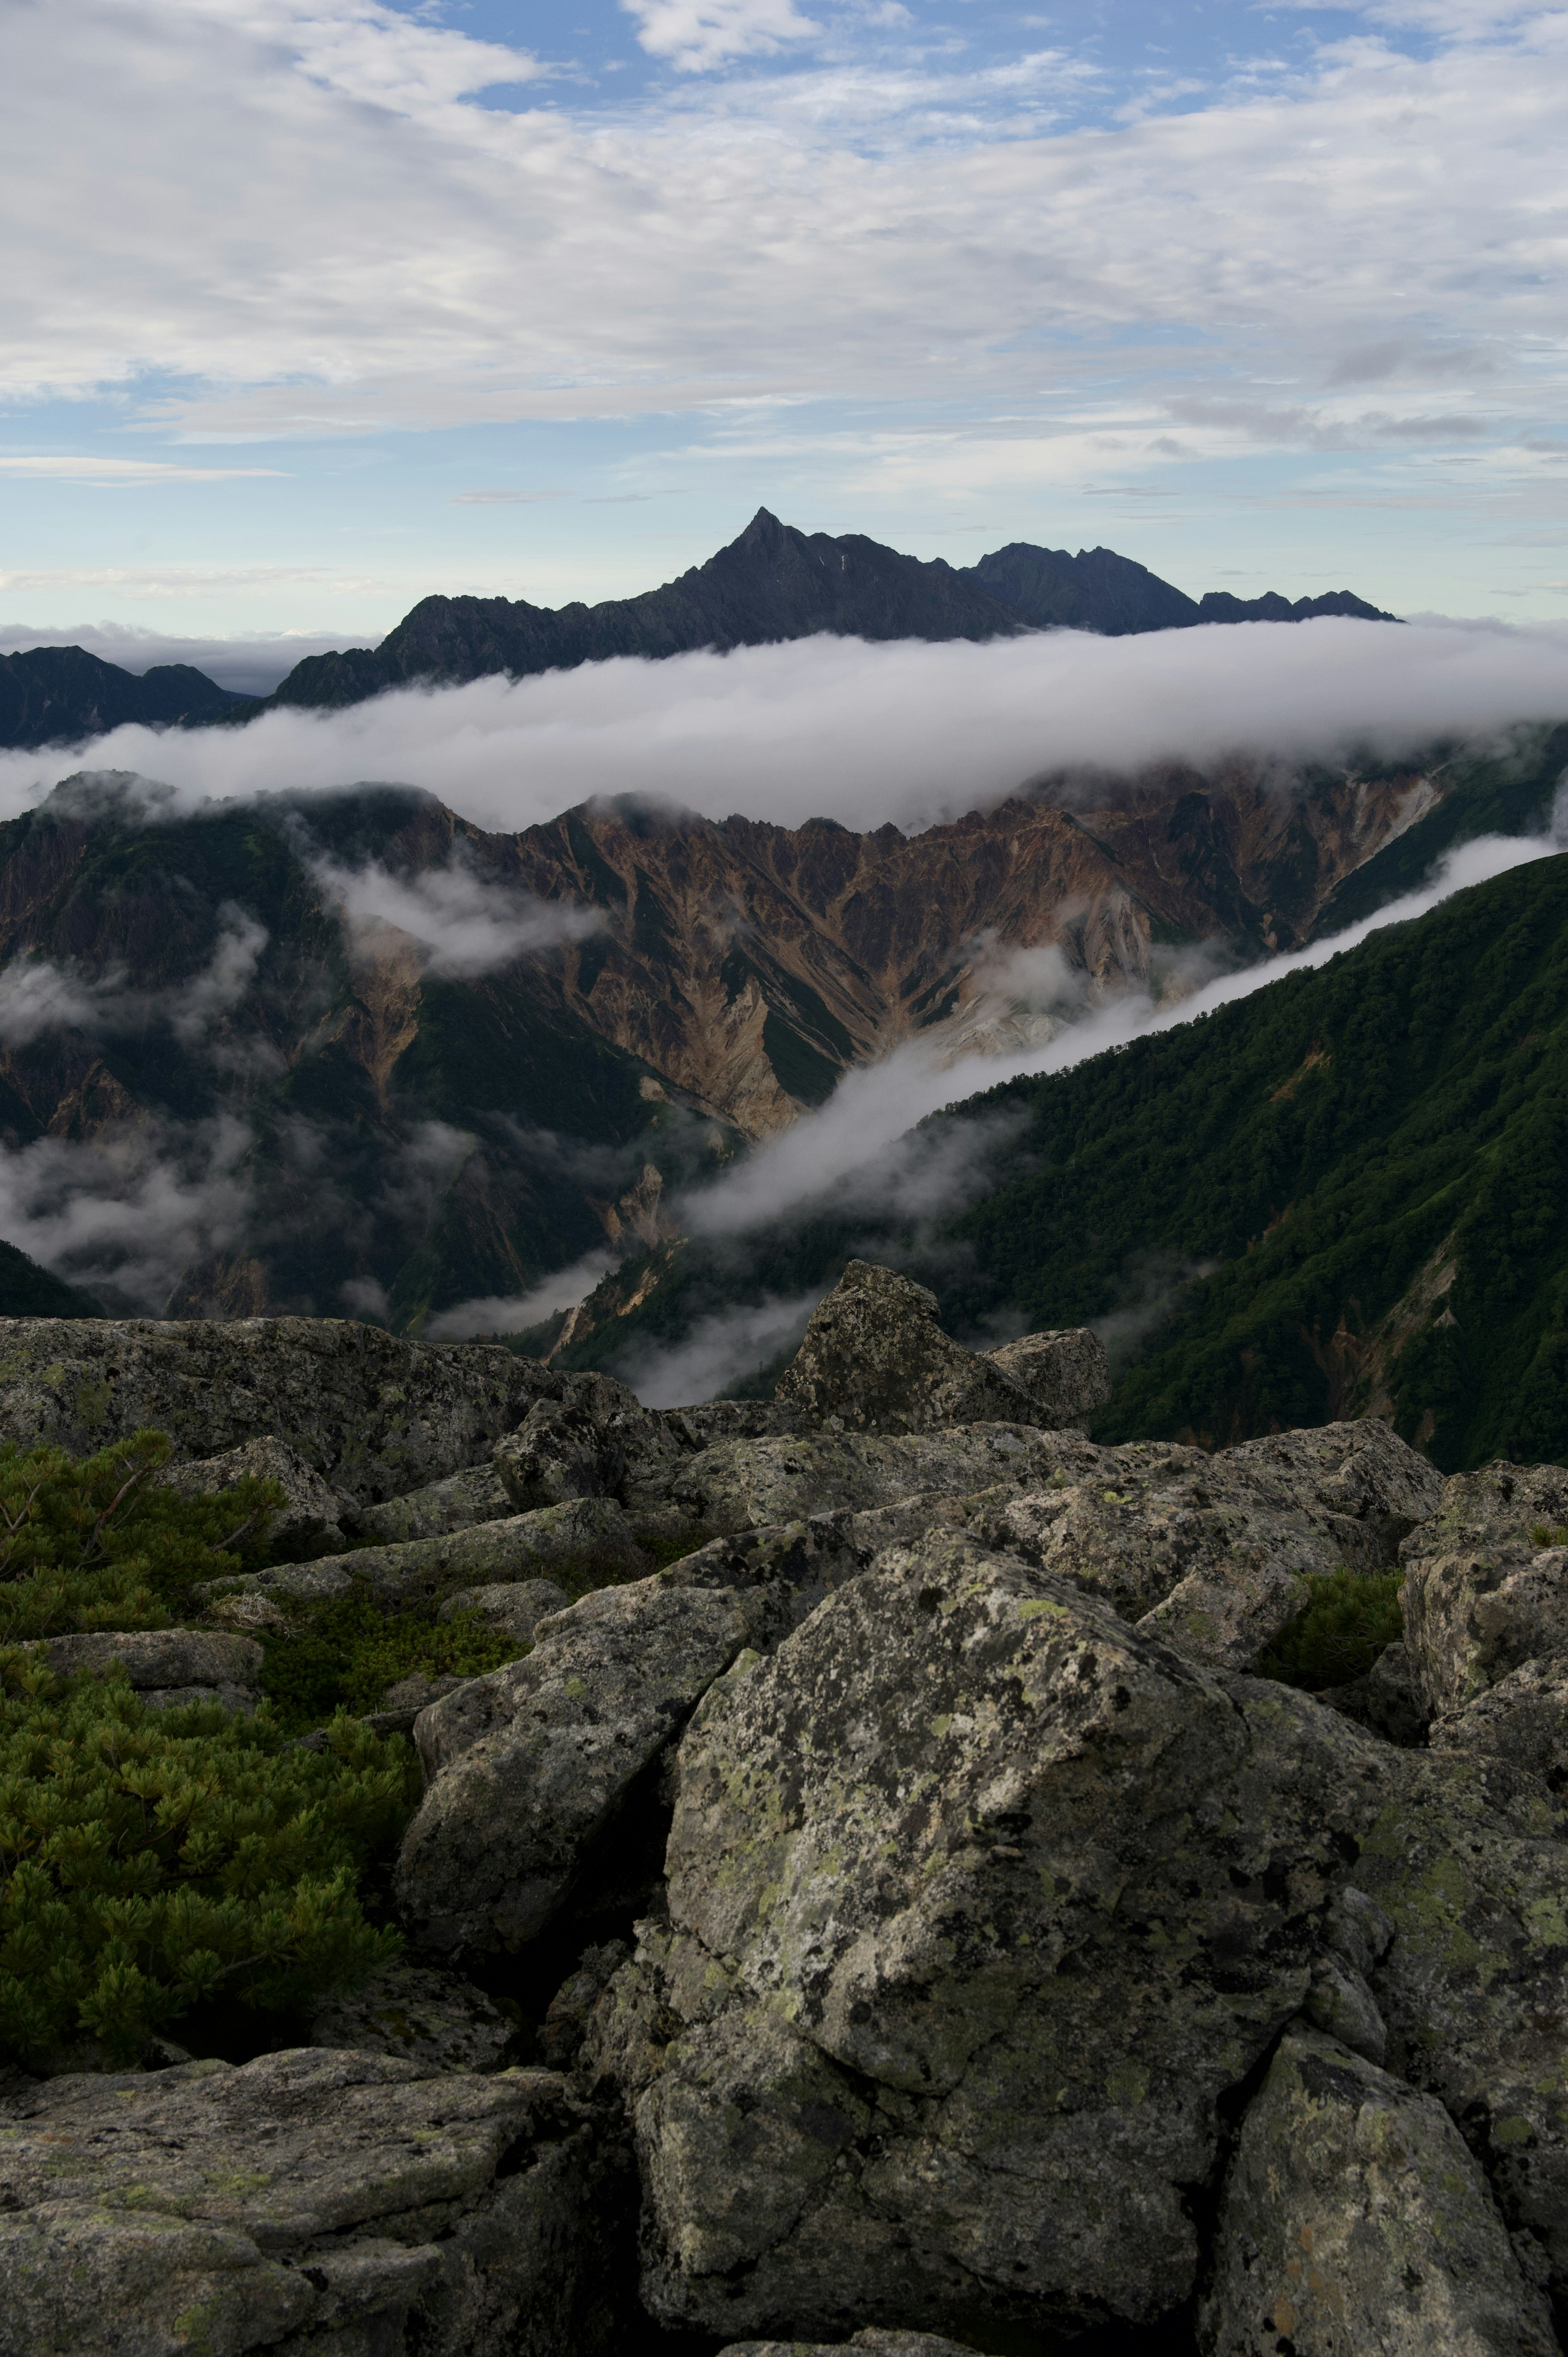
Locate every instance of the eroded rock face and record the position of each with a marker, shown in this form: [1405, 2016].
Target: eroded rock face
[308, 1520]
[376, 1416]
[595, 1440]
[1522, 1719]
[1469, 1619]
[1353, 2218]
[874, 1359]
[977, 1903]
[377, 2202]
[1358, 1482]
[743, 1485]
[527, 1767]
[1065, 1373]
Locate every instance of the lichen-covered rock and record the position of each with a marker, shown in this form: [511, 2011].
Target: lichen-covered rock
[1522, 1719]
[306, 1523]
[714, 1420]
[1507, 1509]
[422, 2015]
[527, 1767]
[367, 1412]
[1065, 1373]
[308, 2202]
[978, 1903]
[595, 1440]
[788, 1568]
[512, 1608]
[874, 1359]
[1353, 2219]
[405, 1698]
[591, 1534]
[478, 1494]
[1363, 1486]
[875, 2340]
[1471, 1618]
[739, 1485]
[165, 1666]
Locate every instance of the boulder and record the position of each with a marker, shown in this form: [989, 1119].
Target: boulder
[739, 1485]
[306, 1523]
[591, 1535]
[875, 2340]
[404, 1699]
[167, 1667]
[874, 1359]
[1522, 1719]
[1353, 2218]
[422, 2015]
[1358, 1482]
[1065, 1373]
[978, 1900]
[309, 2202]
[1514, 1509]
[1385, 1700]
[370, 1413]
[595, 1440]
[714, 1420]
[478, 1494]
[527, 1768]
[512, 1608]
[1471, 1618]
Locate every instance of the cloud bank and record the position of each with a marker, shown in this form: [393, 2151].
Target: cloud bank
[465, 924]
[834, 728]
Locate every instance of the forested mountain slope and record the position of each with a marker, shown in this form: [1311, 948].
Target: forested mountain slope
[1346, 1194]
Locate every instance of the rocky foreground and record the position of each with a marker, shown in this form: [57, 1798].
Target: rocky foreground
[954, 1940]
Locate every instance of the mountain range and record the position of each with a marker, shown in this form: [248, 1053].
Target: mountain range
[268, 1027]
[773, 582]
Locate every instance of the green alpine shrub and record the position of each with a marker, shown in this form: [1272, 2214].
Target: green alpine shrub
[343, 1654]
[97, 1544]
[152, 1859]
[1353, 1616]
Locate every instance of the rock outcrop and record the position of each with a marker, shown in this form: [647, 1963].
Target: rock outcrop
[309, 1521]
[372, 1414]
[874, 1359]
[1353, 2218]
[166, 1667]
[528, 1768]
[308, 2203]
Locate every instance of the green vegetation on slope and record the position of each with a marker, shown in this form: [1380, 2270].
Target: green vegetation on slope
[1368, 1163]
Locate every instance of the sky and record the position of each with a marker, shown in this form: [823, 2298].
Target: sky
[314, 306]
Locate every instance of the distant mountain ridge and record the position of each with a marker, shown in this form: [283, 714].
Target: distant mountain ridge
[774, 583]
[58, 695]
[778, 582]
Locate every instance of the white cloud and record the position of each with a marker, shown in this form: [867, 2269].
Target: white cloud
[121, 474]
[38, 998]
[696, 34]
[514, 1313]
[128, 1214]
[833, 727]
[720, 1350]
[466, 923]
[291, 210]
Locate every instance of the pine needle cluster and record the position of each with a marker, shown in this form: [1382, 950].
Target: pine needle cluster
[151, 1859]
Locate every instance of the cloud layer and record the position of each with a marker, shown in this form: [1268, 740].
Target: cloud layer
[864, 734]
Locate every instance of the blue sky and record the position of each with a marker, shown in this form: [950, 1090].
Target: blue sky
[314, 305]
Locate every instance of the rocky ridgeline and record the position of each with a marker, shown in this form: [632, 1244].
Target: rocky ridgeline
[954, 1943]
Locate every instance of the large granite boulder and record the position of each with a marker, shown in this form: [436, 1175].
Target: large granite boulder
[1354, 2219]
[590, 1535]
[978, 1901]
[309, 2202]
[982, 1903]
[1065, 1373]
[476, 1495]
[874, 1359]
[166, 1667]
[595, 1439]
[528, 1769]
[422, 2015]
[308, 1523]
[741, 1485]
[1358, 1482]
[1471, 1618]
[1523, 1719]
[512, 1608]
[367, 1412]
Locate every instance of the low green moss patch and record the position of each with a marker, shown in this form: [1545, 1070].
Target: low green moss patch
[1352, 1617]
[151, 1860]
